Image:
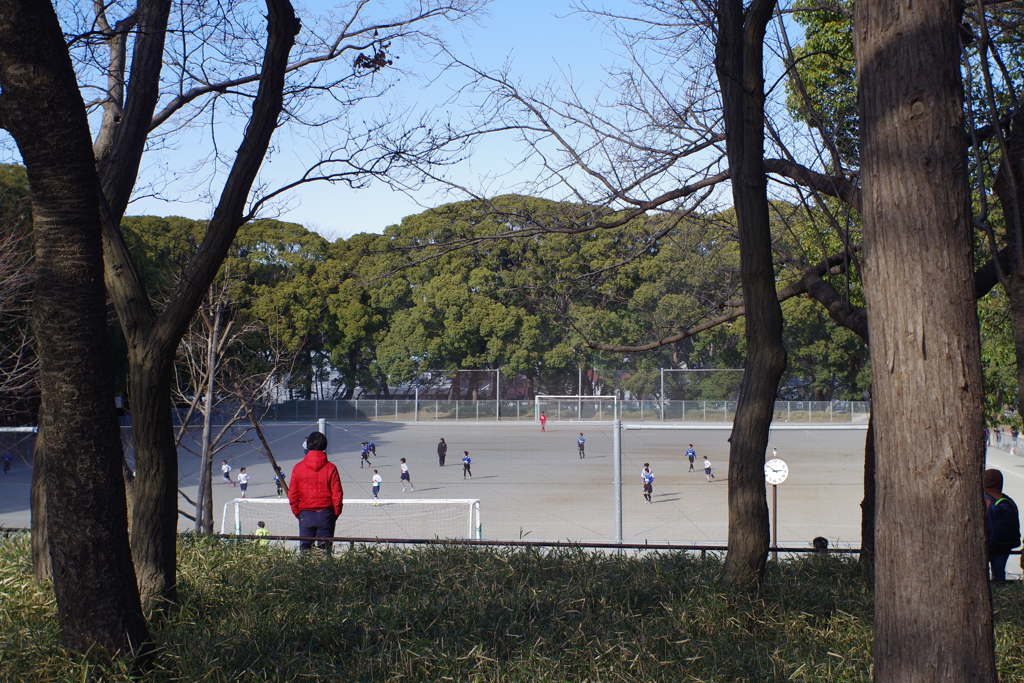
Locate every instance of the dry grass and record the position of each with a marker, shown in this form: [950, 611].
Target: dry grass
[378, 614]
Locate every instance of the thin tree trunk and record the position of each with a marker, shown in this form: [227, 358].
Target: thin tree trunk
[155, 518]
[739, 63]
[867, 505]
[933, 610]
[204, 500]
[40, 544]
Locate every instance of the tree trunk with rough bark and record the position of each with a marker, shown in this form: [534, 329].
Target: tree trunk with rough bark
[739, 64]
[933, 616]
[40, 545]
[86, 515]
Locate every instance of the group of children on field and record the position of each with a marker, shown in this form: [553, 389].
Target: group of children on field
[368, 448]
[647, 476]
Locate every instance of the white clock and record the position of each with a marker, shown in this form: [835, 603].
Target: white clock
[775, 471]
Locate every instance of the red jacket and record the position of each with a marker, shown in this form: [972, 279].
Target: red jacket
[315, 485]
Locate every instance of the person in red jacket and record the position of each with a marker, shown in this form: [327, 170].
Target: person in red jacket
[315, 493]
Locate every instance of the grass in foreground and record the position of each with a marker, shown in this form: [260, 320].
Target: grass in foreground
[467, 614]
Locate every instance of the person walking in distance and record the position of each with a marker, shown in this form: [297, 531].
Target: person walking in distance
[404, 476]
[243, 481]
[225, 470]
[466, 462]
[543, 421]
[315, 494]
[648, 479]
[691, 455]
[8, 457]
[376, 482]
[279, 481]
[580, 443]
[442, 452]
[707, 469]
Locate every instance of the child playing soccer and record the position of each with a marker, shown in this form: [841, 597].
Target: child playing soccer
[648, 478]
[243, 481]
[225, 469]
[376, 481]
[404, 476]
[364, 455]
[707, 470]
[466, 462]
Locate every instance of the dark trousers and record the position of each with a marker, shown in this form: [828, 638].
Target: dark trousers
[316, 524]
[997, 561]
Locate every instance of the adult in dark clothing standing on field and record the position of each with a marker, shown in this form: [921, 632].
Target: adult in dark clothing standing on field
[315, 493]
[1002, 524]
[442, 452]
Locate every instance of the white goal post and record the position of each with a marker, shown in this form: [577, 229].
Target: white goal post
[575, 408]
[363, 518]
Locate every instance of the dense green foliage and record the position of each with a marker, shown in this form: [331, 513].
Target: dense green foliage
[467, 287]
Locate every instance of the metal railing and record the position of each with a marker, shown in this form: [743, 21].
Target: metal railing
[410, 410]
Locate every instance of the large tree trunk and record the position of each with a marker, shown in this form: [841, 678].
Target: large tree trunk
[738, 61]
[933, 616]
[86, 516]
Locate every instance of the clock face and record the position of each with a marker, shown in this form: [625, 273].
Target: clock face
[775, 471]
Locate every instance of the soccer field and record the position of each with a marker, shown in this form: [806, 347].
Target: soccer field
[533, 485]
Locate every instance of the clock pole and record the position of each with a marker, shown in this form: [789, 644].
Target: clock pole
[775, 522]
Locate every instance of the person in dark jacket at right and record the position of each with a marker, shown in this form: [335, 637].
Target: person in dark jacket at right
[1002, 524]
[315, 493]
[442, 452]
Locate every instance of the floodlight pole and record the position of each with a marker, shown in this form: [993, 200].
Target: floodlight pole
[617, 476]
[662, 373]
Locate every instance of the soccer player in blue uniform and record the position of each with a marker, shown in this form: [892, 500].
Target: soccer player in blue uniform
[364, 455]
[692, 455]
[648, 478]
[579, 445]
[466, 462]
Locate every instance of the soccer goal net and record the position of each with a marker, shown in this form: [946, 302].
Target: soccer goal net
[557, 408]
[440, 518]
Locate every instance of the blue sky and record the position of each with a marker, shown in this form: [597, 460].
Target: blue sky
[541, 38]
